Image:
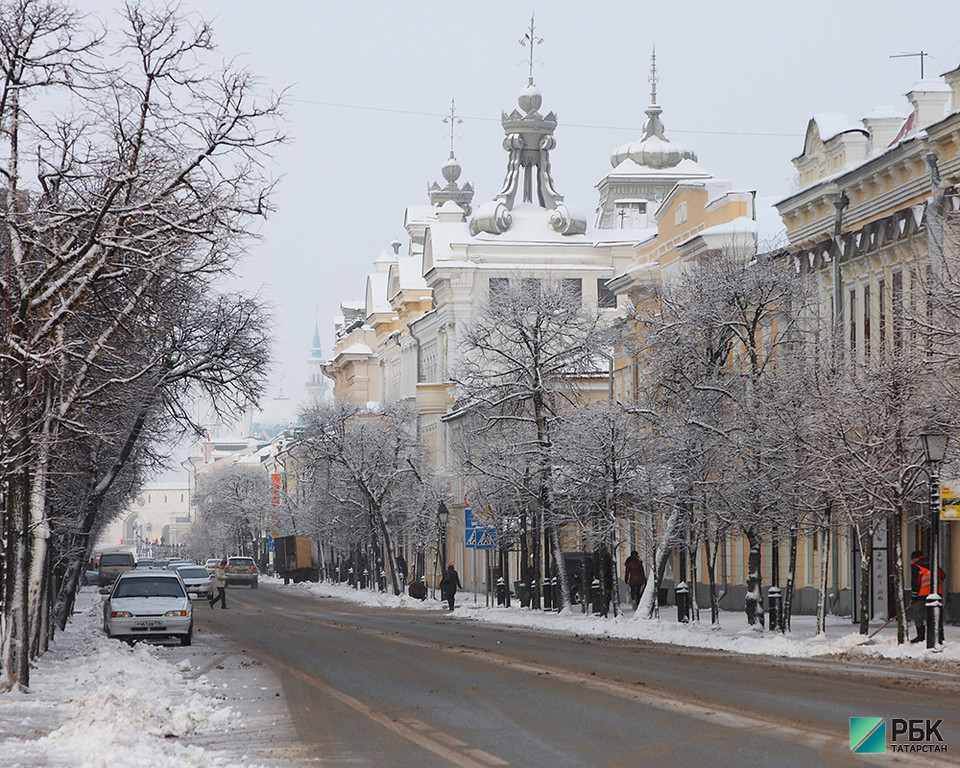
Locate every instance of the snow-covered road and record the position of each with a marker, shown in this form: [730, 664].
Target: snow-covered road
[99, 703]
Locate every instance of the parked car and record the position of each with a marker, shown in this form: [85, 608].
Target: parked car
[196, 580]
[241, 570]
[112, 564]
[148, 604]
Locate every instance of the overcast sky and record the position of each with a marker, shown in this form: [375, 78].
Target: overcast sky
[369, 81]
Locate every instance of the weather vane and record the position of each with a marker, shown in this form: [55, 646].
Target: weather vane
[453, 120]
[920, 55]
[534, 41]
[654, 78]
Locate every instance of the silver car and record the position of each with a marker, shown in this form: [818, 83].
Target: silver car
[148, 604]
[196, 580]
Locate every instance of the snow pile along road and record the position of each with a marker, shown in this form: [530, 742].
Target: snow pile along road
[732, 635]
[99, 703]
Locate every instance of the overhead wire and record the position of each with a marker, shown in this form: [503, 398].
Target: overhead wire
[419, 113]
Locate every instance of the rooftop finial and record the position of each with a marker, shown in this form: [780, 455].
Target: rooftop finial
[454, 121]
[531, 38]
[654, 77]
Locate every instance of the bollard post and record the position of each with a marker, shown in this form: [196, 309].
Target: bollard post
[547, 594]
[501, 591]
[683, 602]
[596, 598]
[775, 607]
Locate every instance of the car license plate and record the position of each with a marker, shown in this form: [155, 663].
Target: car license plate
[146, 624]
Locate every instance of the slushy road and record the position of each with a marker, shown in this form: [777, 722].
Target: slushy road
[407, 689]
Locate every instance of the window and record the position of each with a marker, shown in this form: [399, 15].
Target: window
[530, 286]
[606, 298]
[630, 214]
[896, 300]
[882, 314]
[498, 287]
[866, 321]
[681, 214]
[853, 322]
[573, 287]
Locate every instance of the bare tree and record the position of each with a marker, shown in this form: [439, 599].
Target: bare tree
[369, 472]
[524, 363]
[141, 193]
[233, 507]
[712, 338]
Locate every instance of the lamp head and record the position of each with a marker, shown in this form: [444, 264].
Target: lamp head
[442, 512]
[934, 444]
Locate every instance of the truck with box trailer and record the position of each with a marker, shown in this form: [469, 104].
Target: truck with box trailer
[296, 559]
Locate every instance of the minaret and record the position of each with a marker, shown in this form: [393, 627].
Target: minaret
[317, 385]
[462, 196]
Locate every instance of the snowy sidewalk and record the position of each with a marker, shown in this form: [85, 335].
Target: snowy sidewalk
[733, 635]
[99, 703]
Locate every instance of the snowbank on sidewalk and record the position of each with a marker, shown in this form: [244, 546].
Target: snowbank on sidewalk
[733, 634]
[99, 703]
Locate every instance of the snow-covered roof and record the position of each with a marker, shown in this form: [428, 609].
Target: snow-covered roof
[831, 124]
[930, 85]
[356, 349]
[885, 112]
[409, 268]
[531, 224]
[377, 300]
[685, 167]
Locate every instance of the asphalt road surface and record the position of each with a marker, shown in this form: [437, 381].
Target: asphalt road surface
[407, 689]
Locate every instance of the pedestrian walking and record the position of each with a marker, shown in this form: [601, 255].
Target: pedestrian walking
[220, 582]
[449, 584]
[920, 586]
[634, 576]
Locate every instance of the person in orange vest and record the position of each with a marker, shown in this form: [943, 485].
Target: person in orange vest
[920, 585]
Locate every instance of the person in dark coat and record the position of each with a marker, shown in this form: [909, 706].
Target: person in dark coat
[449, 584]
[634, 576]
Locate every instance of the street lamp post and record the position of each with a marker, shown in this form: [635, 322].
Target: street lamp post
[443, 514]
[934, 448]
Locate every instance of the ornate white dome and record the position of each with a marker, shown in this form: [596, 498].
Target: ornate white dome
[654, 150]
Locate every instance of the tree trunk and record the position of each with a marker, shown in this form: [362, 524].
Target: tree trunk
[711, 561]
[822, 599]
[694, 603]
[896, 528]
[649, 600]
[565, 597]
[791, 580]
[15, 623]
[866, 555]
[753, 602]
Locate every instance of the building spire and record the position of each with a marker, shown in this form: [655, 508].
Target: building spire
[531, 38]
[454, 121]
[653, 77]
[462, 196]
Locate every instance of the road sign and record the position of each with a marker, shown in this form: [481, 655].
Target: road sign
[951, 504]
[476, 534]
